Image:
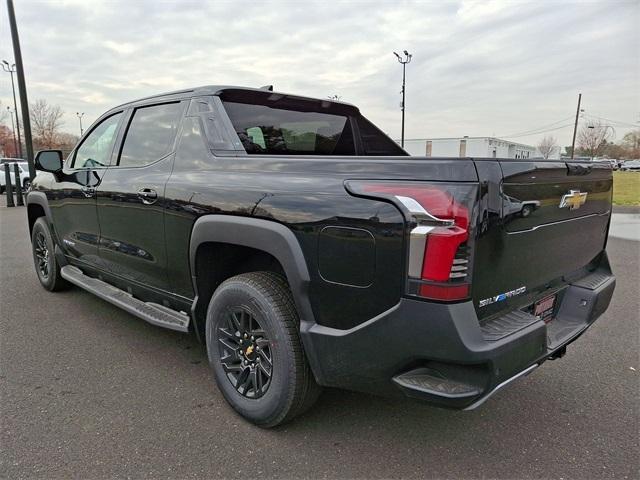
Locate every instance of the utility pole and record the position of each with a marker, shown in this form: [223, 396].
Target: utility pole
[403, 61]
[11, 70]
[575, 128]
[22, 89]
[80, 115]
[13, 130]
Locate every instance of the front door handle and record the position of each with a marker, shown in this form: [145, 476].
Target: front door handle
[148, 195]
[88, 191]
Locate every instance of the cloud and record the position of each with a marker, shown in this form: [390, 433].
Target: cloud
[120, 47]
[479, 68]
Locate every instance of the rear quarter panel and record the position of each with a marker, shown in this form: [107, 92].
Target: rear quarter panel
[307, 194]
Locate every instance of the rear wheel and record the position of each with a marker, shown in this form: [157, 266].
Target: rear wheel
[254, 348]
[44, 259]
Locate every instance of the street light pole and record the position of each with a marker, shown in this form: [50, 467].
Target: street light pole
[11, 70]
[403, 61]
[13, 130]
[22, 89]
[80, 115]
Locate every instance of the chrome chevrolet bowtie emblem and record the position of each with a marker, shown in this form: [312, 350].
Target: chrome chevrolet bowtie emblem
[573, 200]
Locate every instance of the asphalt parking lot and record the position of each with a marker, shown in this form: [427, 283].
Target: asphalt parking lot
[88, 391]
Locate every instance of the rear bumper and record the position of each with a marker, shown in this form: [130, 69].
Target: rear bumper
[440, 353]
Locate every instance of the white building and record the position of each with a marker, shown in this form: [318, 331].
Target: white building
[469, 147]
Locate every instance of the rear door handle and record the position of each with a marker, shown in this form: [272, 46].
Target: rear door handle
[88, 191]
[147, 195]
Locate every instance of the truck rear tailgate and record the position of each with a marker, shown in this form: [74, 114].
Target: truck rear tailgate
[551, 220]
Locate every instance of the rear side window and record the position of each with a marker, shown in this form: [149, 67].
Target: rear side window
[151, 134]
[284, 130]
[374, 142]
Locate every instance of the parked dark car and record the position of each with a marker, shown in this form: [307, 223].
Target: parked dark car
[305, 248]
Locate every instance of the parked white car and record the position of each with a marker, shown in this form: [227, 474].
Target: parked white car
[631, 166]
[615, 163]
[23, 167]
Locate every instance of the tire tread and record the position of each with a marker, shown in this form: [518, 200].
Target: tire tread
[57, 283]
[275, 289]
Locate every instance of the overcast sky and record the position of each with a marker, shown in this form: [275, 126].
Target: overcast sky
[479, 68]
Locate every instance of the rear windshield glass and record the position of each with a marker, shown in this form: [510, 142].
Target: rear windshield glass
[276, 124]
[268, 130]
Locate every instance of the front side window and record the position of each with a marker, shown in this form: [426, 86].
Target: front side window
[95, 150]
[150, 135]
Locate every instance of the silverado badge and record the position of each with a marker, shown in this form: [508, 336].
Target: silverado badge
[502, 297]
[574, 199]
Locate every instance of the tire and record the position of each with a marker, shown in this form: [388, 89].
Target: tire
[44, 259]
[26, 184]
[261, 305]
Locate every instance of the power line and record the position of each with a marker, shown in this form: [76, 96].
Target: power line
[617, 122]
[537, 132]
[533, 131]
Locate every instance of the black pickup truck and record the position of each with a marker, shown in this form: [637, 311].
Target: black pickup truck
[305, 248]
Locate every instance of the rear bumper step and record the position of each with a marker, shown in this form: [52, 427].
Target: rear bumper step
[150, 312]
[486, 397]
[500, 327]
[427, 381]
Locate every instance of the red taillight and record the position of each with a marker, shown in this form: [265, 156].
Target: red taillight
[440, 214]
[442, 246]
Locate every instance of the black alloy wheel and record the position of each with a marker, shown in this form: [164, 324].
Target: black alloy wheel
[44, 258]
[42, 255]
[254, 348]
[245, 353]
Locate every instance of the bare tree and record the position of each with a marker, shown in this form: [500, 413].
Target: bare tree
[66, 142]
[594, 136]
[631, 142]
[7, 143]
[547, 146]
[4, 113]
[46, 121]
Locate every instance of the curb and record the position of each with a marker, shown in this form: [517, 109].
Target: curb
[626, 209]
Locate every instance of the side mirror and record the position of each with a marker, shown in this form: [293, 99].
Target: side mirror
[49, 161]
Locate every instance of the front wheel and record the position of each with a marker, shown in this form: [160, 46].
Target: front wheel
[26, 184]
[45, 261]
[254, 349]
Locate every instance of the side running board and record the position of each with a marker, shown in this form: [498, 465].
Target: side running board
[150, 312]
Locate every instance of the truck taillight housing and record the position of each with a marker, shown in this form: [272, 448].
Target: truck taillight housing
[440, 221]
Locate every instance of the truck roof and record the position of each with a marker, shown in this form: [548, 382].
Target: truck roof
[218, 89]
